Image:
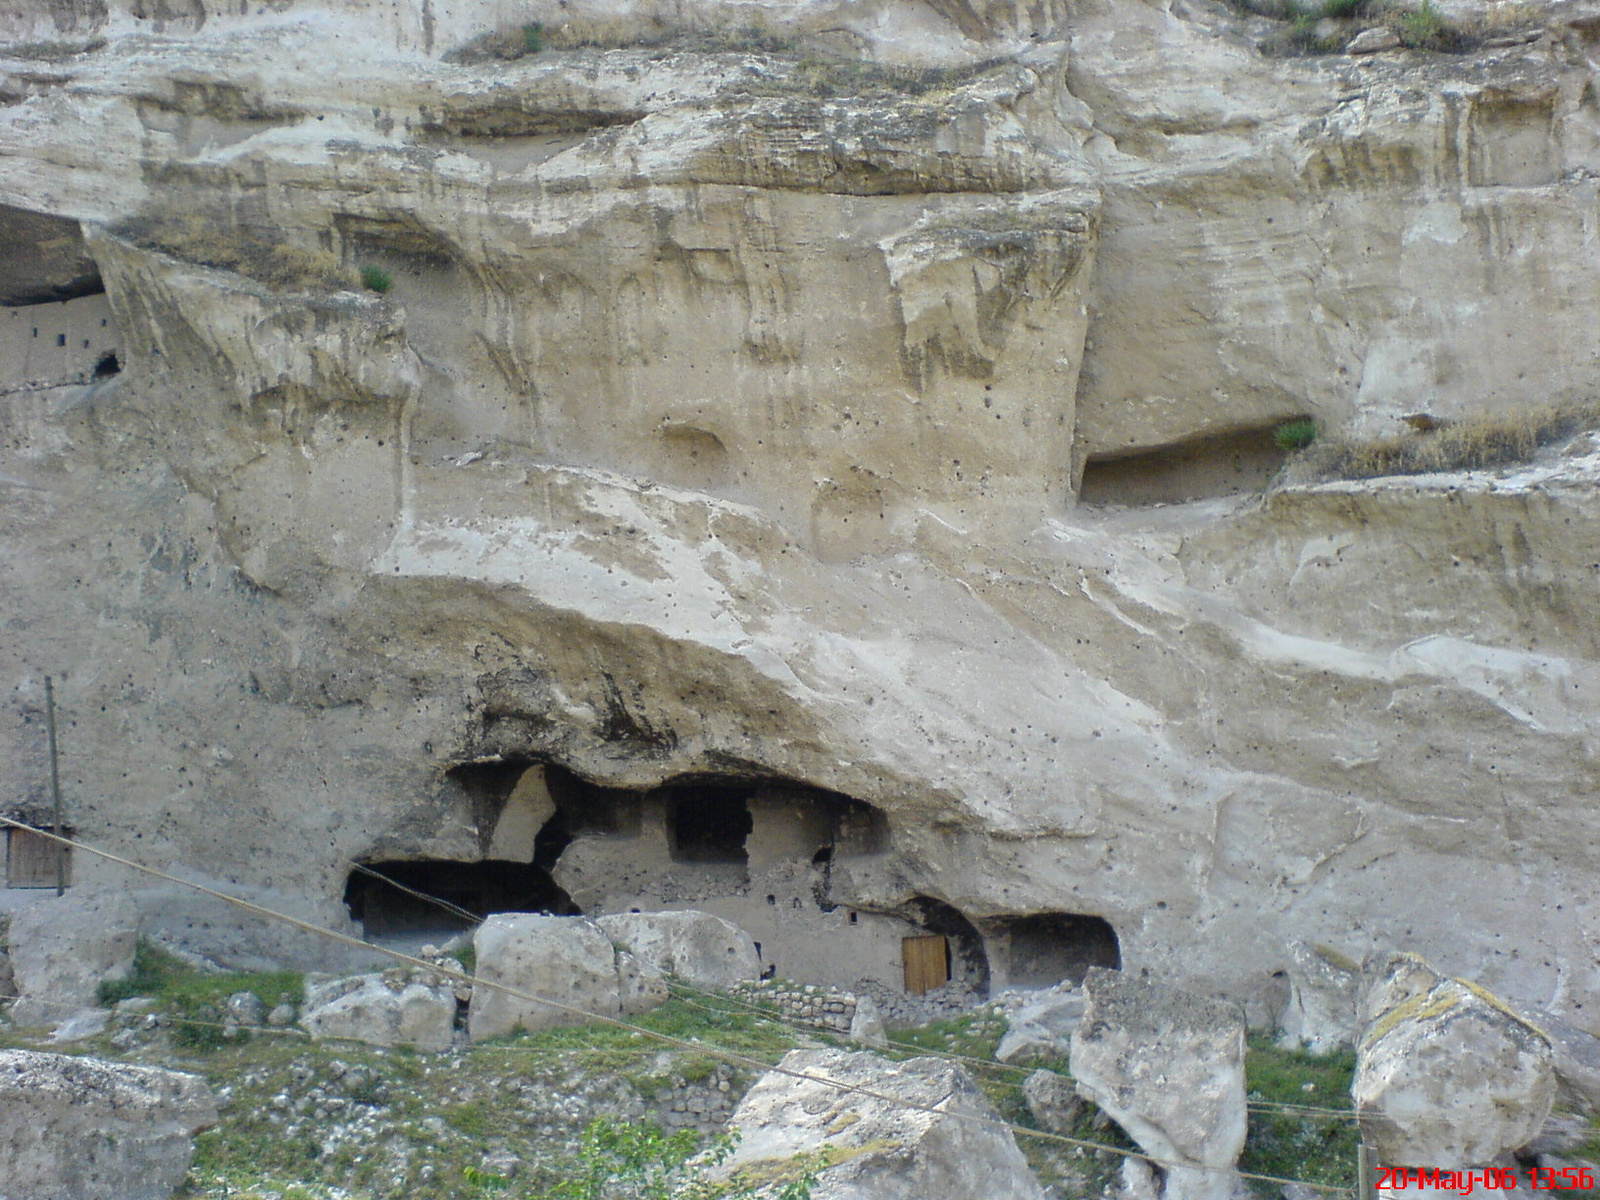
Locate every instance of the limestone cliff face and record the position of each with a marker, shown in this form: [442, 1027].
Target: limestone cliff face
[727, 416]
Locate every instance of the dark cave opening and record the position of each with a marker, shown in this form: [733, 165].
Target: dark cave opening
[708, 823]
[441, 897]
[108, 366]
[1050, 948]
[1215, 465]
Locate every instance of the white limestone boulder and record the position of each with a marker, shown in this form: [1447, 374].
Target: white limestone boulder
[1324, 990]
[63, 947]
[524, 960]
[1446, 1073]
[81, 1129]
[640, 986]
[700, 949]
[1041, 1025]
[866, 1024]
[394, 1008]
[883, 1150]
[1167, 1066]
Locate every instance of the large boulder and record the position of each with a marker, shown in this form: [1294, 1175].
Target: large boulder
[1040, 1025]
[1324, 990]
[63, 947]
[1167, 1066]
[883, 1150]
[698, 948]
[398, 1007]
[524, 960]
[1446, 1074]
[82, 1129]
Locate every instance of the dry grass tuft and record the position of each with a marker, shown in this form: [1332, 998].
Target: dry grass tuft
[1481, 443]
[212, 243]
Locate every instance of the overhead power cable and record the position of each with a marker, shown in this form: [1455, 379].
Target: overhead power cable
[693, 1047]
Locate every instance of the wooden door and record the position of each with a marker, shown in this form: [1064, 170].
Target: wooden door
[927, 962]
[30, 860]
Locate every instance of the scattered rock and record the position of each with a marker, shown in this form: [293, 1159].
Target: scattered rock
[1136, 1180]
[82, 1024]
[82, 1129]
[1167, 1066]
[889, 1152]
[63, 947]
[504, 1164]
[1373, 41]
[700, 949]
[1446, 1073]
[568, 960]
[866, 1026]
[1324, 990]
[281, 1017]
[245, 1009]
[1053, 1101]
[393, 1008]
[1041, 1025]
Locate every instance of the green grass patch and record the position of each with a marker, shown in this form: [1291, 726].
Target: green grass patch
[1295, 435]
[196, 1000]
[1298, 1145]
[376, 279]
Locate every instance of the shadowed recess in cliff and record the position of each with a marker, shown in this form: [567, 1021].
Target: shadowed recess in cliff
[1217, 465]
[44, 259]
[438, 897]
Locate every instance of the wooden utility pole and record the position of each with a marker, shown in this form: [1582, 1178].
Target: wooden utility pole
[55, 786]
[1364, 1180]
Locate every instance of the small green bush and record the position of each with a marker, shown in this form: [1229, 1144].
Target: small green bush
[1343, 10]
[1295, 435]
[1301, 37]
[1423, 29]
[533, 38]
[375, 279]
